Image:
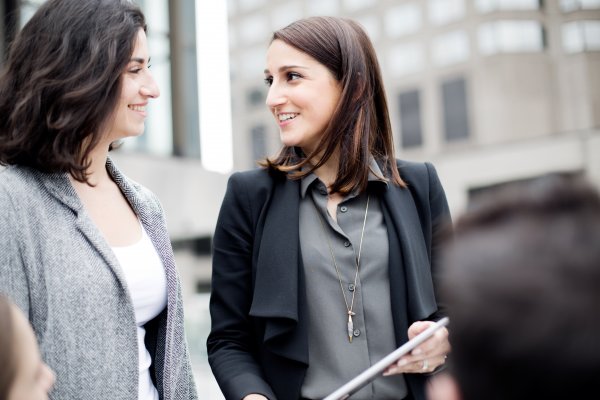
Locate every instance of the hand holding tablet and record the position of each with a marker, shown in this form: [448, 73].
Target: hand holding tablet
[377, 369]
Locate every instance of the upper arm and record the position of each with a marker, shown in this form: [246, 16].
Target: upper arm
[13, 278]
[441, 223]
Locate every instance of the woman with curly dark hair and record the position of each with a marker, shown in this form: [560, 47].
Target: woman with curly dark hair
[84, 251]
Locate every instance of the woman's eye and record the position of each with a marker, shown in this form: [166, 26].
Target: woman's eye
[292, 76]
[268, 81]
[135, 70]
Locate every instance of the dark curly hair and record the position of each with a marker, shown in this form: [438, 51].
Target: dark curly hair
[61, 82]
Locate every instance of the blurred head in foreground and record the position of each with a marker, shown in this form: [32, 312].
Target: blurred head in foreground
[521, 281]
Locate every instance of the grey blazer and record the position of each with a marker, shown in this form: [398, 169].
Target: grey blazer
[58, 268]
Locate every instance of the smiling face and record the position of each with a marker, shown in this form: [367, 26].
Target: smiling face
[33, 379]
[303, 95]
[137, 88]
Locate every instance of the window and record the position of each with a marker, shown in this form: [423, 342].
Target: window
[259, 142]
[456, 116]
[444, 11]
[510, 37]
[406, 59]
[574, 5]
[403, 20]
[256, 97]
[450, 48]
[410, 119]
[485, 6]
[579, 36]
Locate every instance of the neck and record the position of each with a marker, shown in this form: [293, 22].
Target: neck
[327, 172]
[97, 173]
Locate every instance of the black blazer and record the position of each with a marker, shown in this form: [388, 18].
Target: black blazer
[259, 335]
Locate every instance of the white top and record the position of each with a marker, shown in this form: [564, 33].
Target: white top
[147, 282]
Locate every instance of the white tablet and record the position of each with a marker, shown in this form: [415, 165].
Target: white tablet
[376, 369]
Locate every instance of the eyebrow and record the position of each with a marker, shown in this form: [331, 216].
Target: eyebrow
[140, 60]
[286, 67]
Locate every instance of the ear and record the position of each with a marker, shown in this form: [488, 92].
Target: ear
[442, 386]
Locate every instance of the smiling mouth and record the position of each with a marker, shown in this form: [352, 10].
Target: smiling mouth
[137, 108]
[286, 116]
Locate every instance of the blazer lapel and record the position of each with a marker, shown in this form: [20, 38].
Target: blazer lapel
[278, 282]
[62, 189]
[154, 226]
[404, 219]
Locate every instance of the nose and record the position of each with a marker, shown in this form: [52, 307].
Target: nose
[275, 97]
[149, 88]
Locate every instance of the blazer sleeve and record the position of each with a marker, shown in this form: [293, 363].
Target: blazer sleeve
[441, 225]
[13, 277]
[231, 343]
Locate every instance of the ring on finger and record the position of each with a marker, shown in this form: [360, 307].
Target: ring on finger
[425, 365]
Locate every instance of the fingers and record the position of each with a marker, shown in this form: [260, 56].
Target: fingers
[415, 366]
[426, 357]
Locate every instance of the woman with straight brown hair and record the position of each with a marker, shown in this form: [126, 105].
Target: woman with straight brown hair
[323, 259]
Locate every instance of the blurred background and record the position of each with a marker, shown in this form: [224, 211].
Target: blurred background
[490, 91]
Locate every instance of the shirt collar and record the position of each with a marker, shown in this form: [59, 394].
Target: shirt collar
[375, 177]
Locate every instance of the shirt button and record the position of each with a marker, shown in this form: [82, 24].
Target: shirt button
[356, 332]
[343, 208]
[347, 243]
[351, 287]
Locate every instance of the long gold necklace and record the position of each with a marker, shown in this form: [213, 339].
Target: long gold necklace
[350, 307]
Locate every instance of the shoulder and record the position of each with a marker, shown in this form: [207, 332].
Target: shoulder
[417, 173]
[18, 183]
[253, 182]
[137, 193]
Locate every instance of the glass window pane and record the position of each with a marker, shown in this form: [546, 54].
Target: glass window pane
[573, 5]
[578, 36]
[451, 48]
[410, 119]
[405, 59]
[445, 11]
[485, 6]
[402, 20]
[510, 37]
[456, 116]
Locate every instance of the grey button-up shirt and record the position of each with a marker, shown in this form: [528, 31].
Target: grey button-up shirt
[333, 360]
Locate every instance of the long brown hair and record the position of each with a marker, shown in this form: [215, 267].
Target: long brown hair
[8, 361]
[360, 125]
[61, 82]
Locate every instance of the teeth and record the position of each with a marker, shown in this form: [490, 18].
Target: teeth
[137, 108]
[285, 117]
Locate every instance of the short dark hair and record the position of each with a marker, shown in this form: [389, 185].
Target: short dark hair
[61, 82]
[7, 353]
[360, 126]
[521, 282]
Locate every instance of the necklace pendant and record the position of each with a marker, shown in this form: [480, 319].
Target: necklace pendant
[350, 327]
